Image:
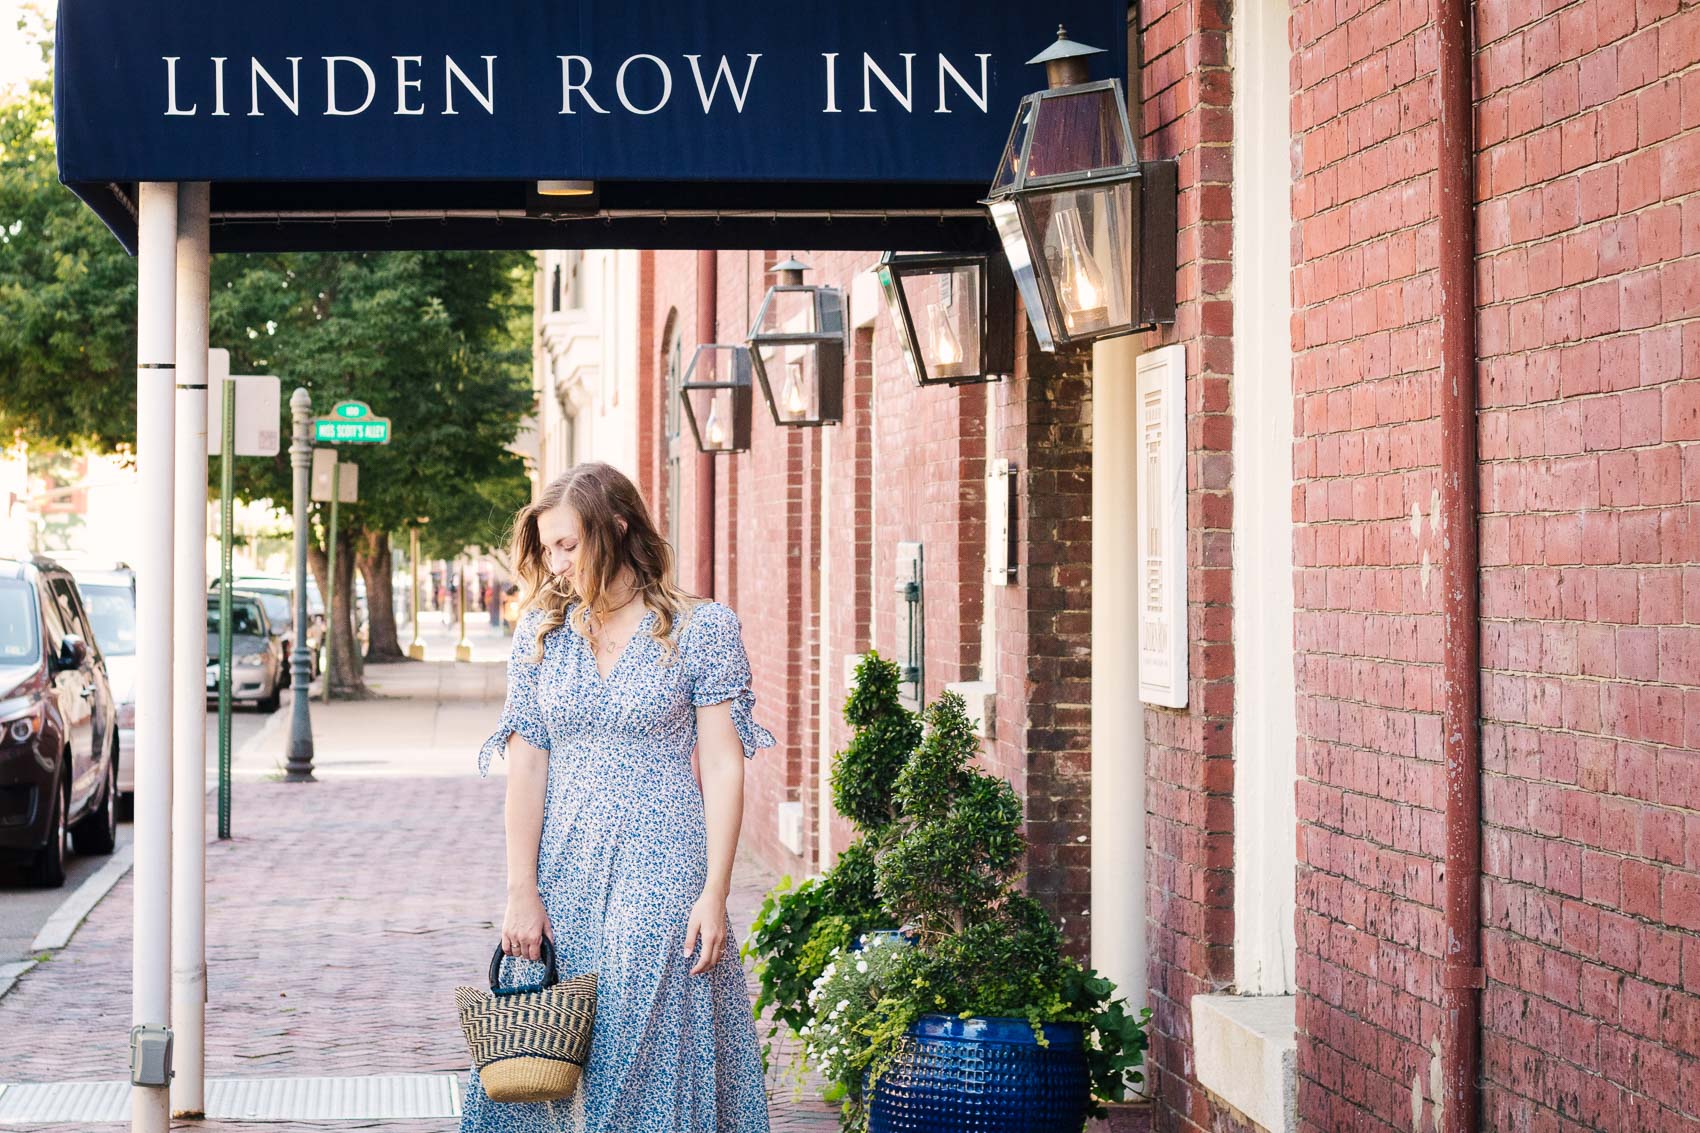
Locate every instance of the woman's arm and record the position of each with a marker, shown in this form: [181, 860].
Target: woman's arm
[525, 922]
[721, 753]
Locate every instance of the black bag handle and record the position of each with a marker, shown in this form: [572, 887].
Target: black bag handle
[550, 977]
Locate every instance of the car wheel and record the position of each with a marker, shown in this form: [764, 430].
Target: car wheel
[48, 868]
[97, 833]
[126, 806]
[273, 700]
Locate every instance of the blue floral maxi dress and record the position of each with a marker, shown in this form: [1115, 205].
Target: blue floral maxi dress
[622, 859]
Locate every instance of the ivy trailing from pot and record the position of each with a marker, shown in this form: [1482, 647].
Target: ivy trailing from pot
[801, 926]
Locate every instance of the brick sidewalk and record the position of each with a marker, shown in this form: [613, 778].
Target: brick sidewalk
[339, 920]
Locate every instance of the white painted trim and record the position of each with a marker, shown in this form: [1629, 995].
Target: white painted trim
[1159, 439]
[1119, 944]
[981, 698]
[1265, 728]
[827, 703]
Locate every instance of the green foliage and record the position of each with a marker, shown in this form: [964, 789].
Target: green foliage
[844, 1003]
[948, 867]
[885, 734]
[67, 297]
[799, 926]
[422, 337]
[957, 843]
[439, 342]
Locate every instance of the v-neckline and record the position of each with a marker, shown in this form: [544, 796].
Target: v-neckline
[614, 669]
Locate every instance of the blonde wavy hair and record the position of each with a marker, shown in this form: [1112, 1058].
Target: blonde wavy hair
[615, 531]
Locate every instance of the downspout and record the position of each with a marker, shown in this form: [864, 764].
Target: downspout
[708, 283]
[1461, 971]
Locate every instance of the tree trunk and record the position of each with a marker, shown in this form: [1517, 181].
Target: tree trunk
[376, 565]
[343, 678]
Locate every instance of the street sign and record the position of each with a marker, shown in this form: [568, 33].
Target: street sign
[352, 422]
[258, 405]
[325, 466]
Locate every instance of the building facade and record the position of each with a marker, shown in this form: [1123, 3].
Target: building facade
[1257, 851]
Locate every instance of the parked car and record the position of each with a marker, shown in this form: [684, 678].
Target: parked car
[109, 596]
[256, 658]
[58, 724]
[277, 594]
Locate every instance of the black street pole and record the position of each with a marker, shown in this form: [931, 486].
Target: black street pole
[299, 768]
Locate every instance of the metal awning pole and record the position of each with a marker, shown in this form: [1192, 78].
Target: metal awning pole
[189, 659]
[156, 302]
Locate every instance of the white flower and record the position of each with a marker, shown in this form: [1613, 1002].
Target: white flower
[861, 965]
[842, 1004]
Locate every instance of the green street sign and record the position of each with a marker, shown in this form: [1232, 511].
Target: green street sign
[352, 422]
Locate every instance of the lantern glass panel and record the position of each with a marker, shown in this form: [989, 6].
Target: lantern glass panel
[794, 381]
[944, 305]
[1086, 235]
[1078, 132]
[716, 423]
[1009, 169]
[788, 311]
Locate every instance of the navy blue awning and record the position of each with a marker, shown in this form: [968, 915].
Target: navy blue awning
[761, 124]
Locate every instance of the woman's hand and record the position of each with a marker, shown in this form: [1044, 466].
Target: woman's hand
[525, 925]
[708, 921]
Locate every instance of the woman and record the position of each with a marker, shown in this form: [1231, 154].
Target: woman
[614, 851]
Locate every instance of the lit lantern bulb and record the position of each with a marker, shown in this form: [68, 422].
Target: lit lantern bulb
[795, 406]
[947, 347]
[715, 429]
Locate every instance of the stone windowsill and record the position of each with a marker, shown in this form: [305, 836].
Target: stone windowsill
[1245, 1052]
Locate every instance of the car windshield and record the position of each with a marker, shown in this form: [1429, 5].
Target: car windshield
[277, 607]
[112, 609]
[244, 618]
[19, 635]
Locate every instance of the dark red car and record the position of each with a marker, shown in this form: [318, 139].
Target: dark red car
[58, 724]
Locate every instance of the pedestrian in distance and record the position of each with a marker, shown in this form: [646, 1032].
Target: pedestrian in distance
[616, 852]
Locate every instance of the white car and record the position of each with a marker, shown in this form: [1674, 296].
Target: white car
[109, 597]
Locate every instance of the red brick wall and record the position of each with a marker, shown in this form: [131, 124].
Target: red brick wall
[1044, 624]
[1367, 627]
[1591, 846]
[1589, 282]
[907, 464]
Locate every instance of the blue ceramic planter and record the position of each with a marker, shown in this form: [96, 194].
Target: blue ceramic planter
[983, 1076]
[881, 936]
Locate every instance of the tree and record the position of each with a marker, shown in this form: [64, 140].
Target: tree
[435, 341]
[68, 298]
[427, 340]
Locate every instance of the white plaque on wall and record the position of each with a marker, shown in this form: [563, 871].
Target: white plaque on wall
[1161, 515]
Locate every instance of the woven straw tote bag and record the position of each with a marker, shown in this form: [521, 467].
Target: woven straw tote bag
[529, 1042]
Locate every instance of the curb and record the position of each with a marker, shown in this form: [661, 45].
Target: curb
[9, 974]
[277, 722]
[57, 931]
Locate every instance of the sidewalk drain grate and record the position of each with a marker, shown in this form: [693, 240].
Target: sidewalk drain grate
[379, 1097]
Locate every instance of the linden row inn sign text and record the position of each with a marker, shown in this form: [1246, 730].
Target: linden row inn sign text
[641, 84]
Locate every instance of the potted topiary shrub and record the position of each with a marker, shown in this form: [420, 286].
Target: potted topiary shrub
[800, 927]
[984, 1024]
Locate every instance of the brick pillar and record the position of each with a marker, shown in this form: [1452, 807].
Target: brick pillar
[1044, 694]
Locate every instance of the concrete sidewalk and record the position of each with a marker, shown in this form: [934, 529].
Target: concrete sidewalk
[341, 915]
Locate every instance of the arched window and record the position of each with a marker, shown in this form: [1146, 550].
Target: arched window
[555, 289]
